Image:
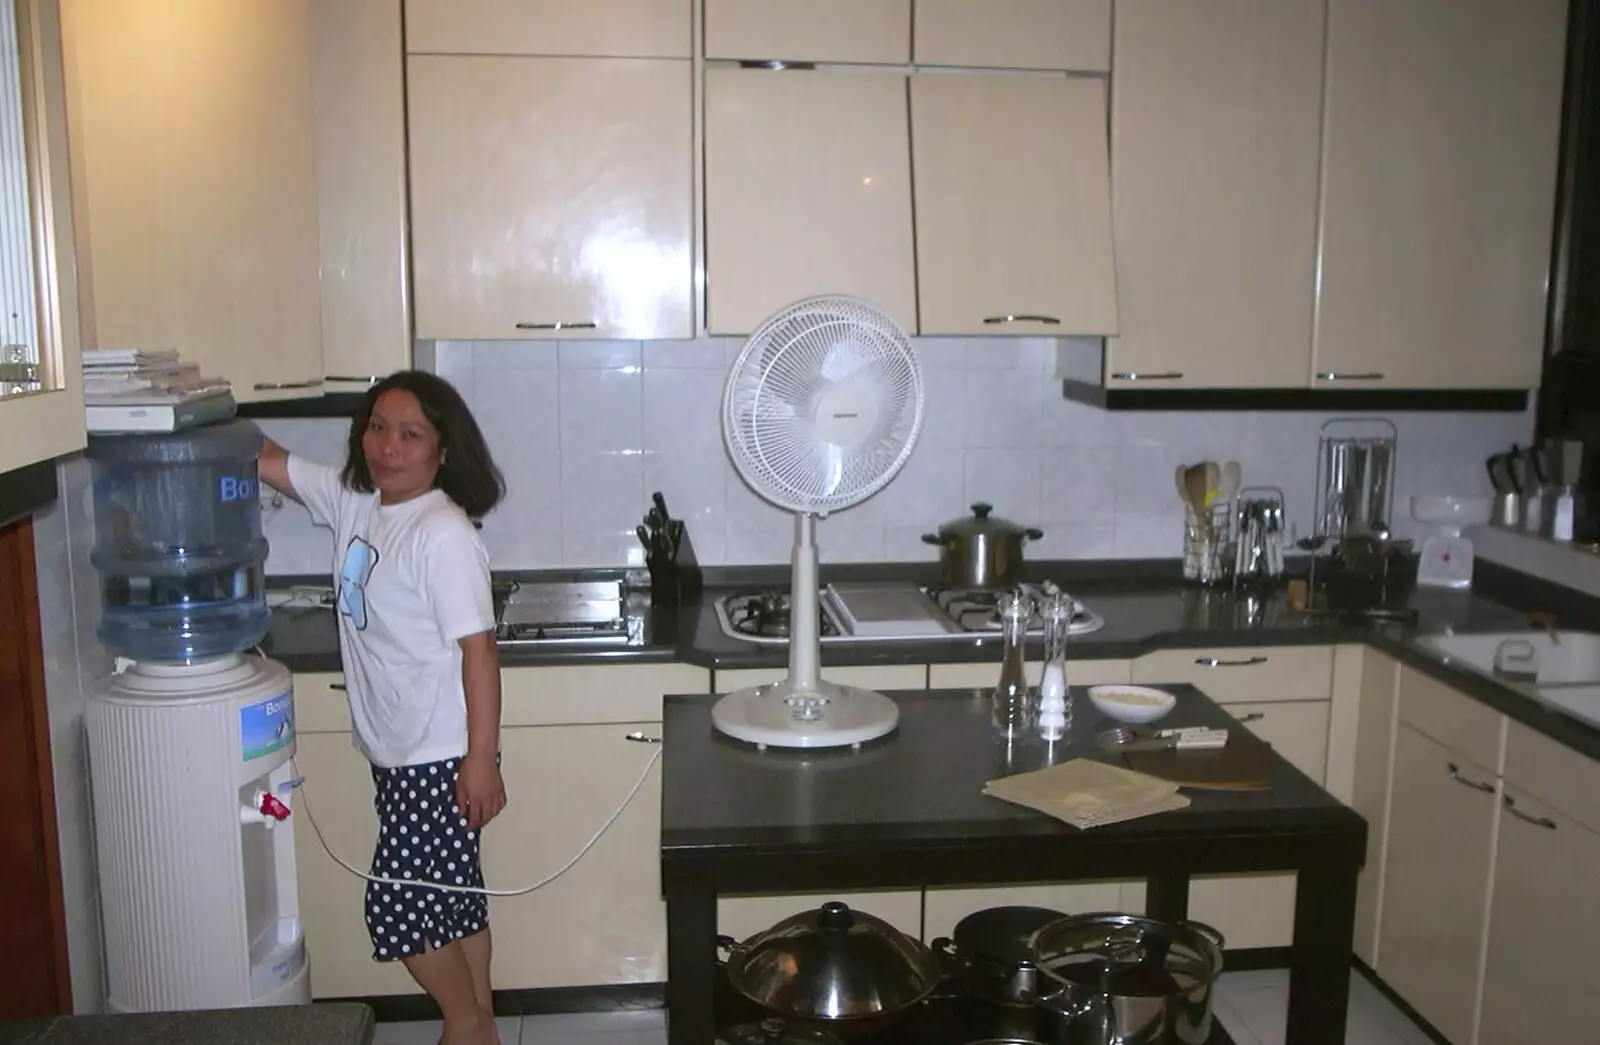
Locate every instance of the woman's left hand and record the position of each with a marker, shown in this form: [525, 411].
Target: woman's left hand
[480, 793]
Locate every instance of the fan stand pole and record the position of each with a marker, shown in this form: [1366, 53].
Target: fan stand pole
[803, 606]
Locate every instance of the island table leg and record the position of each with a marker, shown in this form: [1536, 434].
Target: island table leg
[1319, 964]
[691, 968]
[1166, 896]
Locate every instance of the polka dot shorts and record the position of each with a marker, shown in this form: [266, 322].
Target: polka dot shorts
[422, 835]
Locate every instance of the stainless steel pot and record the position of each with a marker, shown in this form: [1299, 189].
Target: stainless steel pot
[832, 964]
[990, 950]
[1119, 979]
[981, 551]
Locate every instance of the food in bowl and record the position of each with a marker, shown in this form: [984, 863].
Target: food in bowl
[1132, 704]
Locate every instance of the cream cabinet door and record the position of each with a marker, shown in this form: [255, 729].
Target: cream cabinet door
[1015, 34]
[1544, 934]
[337, 793]
[359, 79]
[1375, 731]
[594, 28]
[1215, 138]
[880, 677]
[857, 31]
[1013, 207]
[551, 197]
[1439, 172]
[808, 191]
[195, 184]
[1257, 910]
[1436, 881]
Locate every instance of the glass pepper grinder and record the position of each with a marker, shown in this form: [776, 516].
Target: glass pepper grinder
[1055, 703]
[1012, 704]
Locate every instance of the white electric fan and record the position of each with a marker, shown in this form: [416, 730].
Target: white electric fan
[819, 412]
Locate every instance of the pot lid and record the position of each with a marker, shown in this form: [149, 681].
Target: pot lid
[834, 963]
[981, 521]
[1002, 932]
[1126, 955]
[774, 1031]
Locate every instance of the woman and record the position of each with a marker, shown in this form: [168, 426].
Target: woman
[416, 630]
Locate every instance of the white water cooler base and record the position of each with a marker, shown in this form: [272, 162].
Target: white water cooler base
[189, 767]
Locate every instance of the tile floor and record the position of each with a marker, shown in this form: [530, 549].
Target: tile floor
[1252, 1005]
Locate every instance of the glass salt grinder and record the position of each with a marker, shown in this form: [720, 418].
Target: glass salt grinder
[1055, 704]
[1011, 706]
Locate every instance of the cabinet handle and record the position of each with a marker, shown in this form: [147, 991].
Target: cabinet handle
[1254, 716]
[1213, 662]
[585, 325]
[337, 685]
[1455, 774]
[371, 379]
[1330, 376]
[274, 386]
[1047, 320]
[1134, 375]
[639, 738]
[1537, 821]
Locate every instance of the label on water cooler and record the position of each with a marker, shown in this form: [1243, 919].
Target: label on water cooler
[267, 726]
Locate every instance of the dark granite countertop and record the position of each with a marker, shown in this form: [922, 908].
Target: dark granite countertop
[1145, 607]
[338, 1023]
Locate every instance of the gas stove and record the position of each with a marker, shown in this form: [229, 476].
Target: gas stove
[860, 613]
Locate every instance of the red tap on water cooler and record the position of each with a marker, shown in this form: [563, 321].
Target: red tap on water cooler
[268, 809]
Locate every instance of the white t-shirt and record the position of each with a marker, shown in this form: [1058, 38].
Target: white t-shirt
[412, 580]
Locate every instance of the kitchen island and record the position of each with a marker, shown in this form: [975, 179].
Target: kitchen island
[908, 811]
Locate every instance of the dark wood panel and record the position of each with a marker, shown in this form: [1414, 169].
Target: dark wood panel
[35, 980]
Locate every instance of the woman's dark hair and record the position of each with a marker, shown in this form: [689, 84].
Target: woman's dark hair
[468, 475]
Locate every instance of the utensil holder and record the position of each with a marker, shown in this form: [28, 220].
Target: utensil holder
[1259, 539]
[1205, 543]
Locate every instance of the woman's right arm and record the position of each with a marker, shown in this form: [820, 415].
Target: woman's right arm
[273, 467]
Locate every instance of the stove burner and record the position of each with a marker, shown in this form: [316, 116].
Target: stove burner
[978, 609]
[766, 614]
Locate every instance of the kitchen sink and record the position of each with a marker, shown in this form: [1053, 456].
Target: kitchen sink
[1581, 702]
[1571, 657]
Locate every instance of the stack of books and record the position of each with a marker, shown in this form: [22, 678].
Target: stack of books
[133, 390]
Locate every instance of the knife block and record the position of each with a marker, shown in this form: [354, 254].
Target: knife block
[676, 580]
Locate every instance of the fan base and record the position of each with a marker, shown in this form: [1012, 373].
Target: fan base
[830, 716]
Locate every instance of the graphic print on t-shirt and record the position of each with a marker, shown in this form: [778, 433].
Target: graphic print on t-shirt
[359, 559]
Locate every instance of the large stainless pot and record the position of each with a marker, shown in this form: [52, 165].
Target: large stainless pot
[832, 964]
[1119, 979]
[990, 948]
[981, 551]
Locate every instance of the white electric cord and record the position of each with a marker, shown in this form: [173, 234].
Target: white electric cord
[420, 883]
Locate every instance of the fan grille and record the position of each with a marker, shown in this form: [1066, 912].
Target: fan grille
[823, 405]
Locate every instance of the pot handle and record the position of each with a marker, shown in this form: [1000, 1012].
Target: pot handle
[1032, 533]
[730, 945]
[933, 538]
[955, 973]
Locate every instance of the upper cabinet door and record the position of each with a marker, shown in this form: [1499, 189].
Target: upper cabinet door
[195, 179]
[598, 28]
[551, 197]
[866, 31]
[1443, 126]
[1215, 128]
[808, 191]
[1013, 205]
[358, 73]
[1014, 34]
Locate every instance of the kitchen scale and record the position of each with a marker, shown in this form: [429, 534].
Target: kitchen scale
[1447, 556]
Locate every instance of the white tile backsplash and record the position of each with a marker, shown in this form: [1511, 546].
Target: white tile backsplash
[584, 430]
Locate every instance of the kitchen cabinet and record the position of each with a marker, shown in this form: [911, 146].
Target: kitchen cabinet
[1440, 141]
[195, 185]
[1543, 944]
[880, 677]
[984, 676]
[551, 197]
[1250, 674]
[1013, 204]
[47, 421]
[808, 191]
[1015, 34]
[1215, 135]
[1380, 680]
[853, 31]
[359, 89]
[567, 768]
[593, 28]
[1440, 849]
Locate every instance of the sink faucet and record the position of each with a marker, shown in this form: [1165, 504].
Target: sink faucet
[1546, 622]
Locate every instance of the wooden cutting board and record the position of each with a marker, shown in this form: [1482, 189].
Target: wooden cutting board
[1243, 764]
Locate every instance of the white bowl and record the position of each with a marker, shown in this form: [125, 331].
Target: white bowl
[1132, 704]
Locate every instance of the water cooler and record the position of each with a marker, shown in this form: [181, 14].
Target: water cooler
[189, 743]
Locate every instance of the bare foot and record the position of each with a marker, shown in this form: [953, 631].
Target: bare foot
[482, 1031]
